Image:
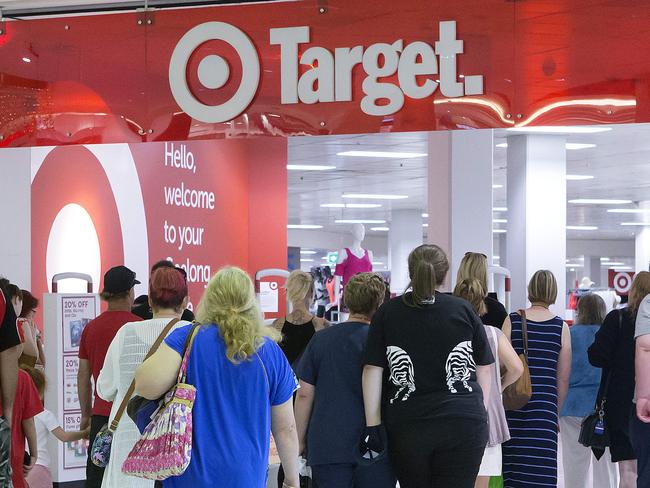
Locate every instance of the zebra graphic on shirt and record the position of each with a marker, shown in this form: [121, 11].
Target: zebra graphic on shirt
[460, 365]
[402, 373]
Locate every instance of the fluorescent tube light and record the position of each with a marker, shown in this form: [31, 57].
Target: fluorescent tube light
[359, 221]
[374, 196]
[380, 229]
[497, 186]
[629, 210]
[425, 225]
[362, 205]
[499, 221]
[622, 268]
[576, 146]
[377, 263]
[500, 209]
[599, 201]
[579, 177]
[604, 259]
[307, 252]
[304, 226]
[499, 231]
[305, 260]
[332, 205]
[308, 167]
[425, 215]
[581, 227]
[381, 154]
[559, 129]
[574, 265]
[610, 263]
[640, 224]
[502, 145]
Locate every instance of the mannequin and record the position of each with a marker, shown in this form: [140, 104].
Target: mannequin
[358, 234]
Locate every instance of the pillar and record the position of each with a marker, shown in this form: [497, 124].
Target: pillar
[642, 243]
[460, 194]
[15, 196]
[536, 213]
[592, 269]
[405, 234]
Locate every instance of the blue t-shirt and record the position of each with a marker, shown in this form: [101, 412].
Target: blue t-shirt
[333, 363]
[585, 378]
[232, 410]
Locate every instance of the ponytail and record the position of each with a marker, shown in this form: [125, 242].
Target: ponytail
[428, 267]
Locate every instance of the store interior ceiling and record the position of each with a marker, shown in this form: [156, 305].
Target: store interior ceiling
[614, 164]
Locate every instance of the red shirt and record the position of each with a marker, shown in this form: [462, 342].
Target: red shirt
[95, 340]
[27, 405]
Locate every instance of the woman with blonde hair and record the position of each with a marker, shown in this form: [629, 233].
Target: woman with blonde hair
[613, 351]
[474, 266]
[244, 389]
[299, 326]
[534, 427]
[506, 359]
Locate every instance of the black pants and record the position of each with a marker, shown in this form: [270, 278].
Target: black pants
[94, 474]
[378, 475]
[640, 437]
[440, 453]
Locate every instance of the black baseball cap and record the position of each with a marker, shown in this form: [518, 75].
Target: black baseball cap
[118, 280]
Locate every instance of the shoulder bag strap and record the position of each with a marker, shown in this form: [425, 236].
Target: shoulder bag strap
[129, 392]
[524, 331]
[182, 372]
[497, 364]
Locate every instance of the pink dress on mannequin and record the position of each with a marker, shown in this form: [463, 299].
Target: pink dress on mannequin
[353, 265]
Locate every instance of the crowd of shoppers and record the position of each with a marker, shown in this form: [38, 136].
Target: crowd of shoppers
[407, 389]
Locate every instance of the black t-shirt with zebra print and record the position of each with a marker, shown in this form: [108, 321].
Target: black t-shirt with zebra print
[429, 354]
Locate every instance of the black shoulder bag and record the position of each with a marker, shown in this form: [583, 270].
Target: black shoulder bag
[593, 431]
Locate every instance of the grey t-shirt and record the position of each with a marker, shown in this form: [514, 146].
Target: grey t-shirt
[643, 318]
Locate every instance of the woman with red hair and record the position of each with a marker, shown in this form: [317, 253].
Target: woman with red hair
[168, 299]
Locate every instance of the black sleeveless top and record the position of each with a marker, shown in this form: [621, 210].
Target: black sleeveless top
[295, 338]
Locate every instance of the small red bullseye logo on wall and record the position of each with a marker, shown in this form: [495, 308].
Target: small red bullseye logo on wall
[214, 72]
[621, 281]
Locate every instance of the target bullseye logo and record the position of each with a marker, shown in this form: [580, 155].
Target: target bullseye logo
[622, 282]
[214, 72]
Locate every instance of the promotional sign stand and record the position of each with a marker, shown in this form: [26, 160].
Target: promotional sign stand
[65, 316]
[271, 293]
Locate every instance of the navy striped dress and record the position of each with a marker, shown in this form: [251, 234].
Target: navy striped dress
[530, 457]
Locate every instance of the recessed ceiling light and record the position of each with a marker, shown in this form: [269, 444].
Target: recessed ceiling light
[559, 129]
[599, 201]
[373, 196]
[581, 227]
[362, 205]
[381, 154]
[497, 186]
[307, 252]
[499, 231]
[380, 229]
[306, 260]
[629, 210]
[359, 221]
[579, 177]
[308, 167]
[499, 221]
[304, 226]
[500, 209]
[611, 263]
[640, 224]
[575, 146]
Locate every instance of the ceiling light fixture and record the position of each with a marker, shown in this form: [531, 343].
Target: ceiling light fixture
[425, 225]
[372, 196]
[377, 263]
[574, 265]
[599, 201]
[622, 268]
[380, 229]
[576, 146]
[559, 129]
[308, 167]
[307, 252]
[304, 226]
[502, 145]
[381, 154]
[499, 221]
[362, 205]
[500, 209]
[640, 224]
[629, 210]
[579, 177]
[611, 263]
[425, 215]
[306, 260]
[332, 205]
[359, 221]
[494, 187]
[499, 231]
[581, 227]
[604, 259]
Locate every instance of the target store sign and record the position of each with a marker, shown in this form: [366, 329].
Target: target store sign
[621, 281]
[315, 74]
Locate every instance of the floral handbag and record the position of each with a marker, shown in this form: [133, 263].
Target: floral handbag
[165, 447]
